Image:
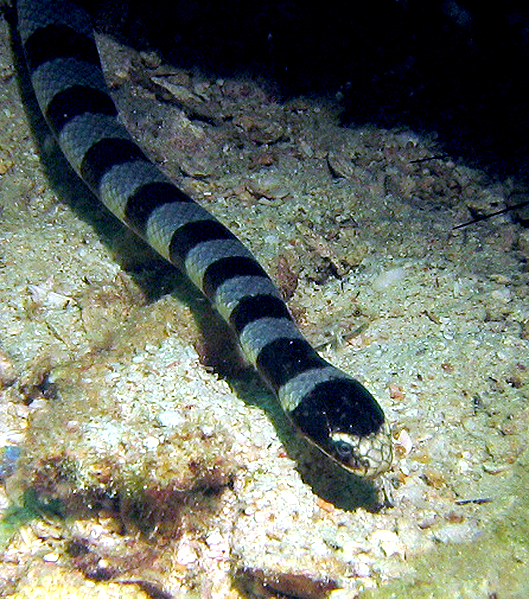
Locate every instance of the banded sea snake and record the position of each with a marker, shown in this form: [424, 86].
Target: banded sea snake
[331, 409]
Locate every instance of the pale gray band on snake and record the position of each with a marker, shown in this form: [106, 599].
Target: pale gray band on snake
[330, 408]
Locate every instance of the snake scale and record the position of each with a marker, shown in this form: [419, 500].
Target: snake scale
[331, 409]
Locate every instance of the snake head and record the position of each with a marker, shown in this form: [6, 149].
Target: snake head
[367, 455]
[342, 419]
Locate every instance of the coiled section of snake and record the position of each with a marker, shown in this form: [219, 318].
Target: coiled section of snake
[331, 409]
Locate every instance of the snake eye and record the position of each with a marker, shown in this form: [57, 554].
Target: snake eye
[343, 450]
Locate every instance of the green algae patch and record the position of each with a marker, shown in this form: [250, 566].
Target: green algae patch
[19, 514]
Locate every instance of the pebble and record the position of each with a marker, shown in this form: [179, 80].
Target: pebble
[42, 296]
[264, 583]
[523, 242]
[268, 185]
[389, 278]
[186, 555]
[389, 542]
[8, 372]
[218, 546]
[171, 418]
[51, 557]
[361, 569]
[457, 533]
[8, 460]
[502, 295]
[150, 442]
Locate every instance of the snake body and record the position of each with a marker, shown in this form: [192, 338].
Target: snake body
[331, 409]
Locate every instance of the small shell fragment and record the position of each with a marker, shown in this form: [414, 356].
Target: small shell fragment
[403, 443]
